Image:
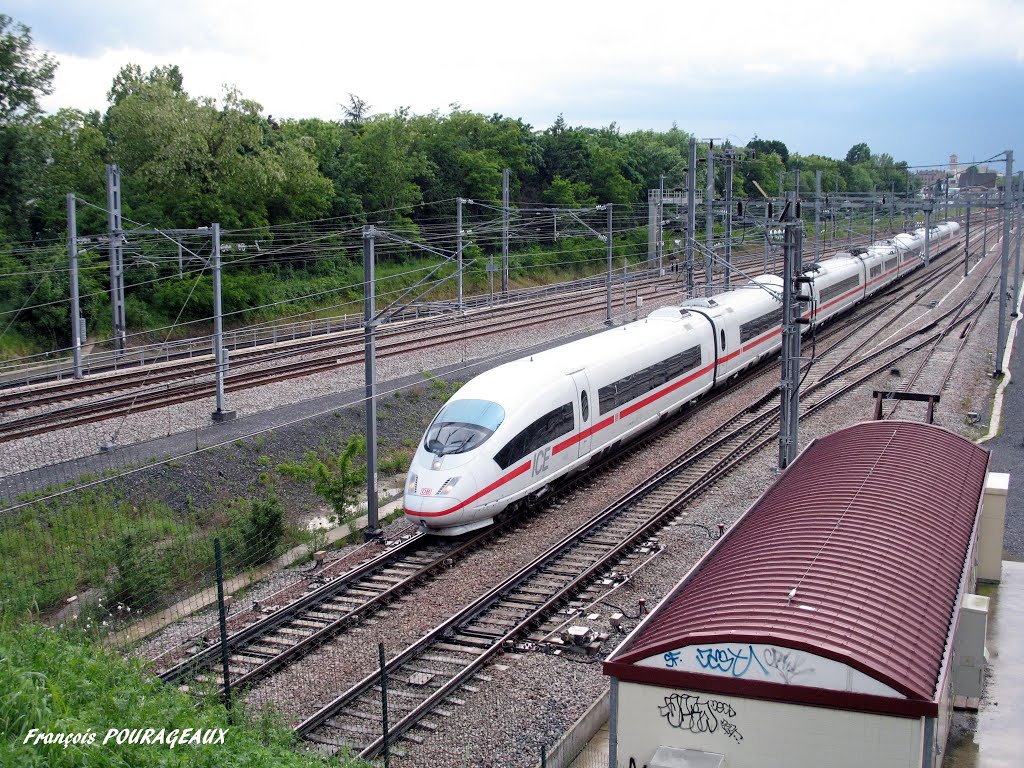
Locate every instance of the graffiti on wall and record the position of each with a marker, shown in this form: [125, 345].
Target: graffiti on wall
[760, 662]
[696, 715]
[789, 664]
[735, 661]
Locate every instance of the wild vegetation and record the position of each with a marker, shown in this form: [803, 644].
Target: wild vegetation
[55, 683]
[187, 161]
[127, 556]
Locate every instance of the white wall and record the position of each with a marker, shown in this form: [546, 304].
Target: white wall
[754, 733]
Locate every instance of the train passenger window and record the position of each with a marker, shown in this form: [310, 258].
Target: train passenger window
[753, 328]
[548, 427]
[463, 425]
[584, 406]
[827, 294]
[641, 382]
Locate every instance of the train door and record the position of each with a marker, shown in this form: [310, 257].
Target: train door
[585, 409]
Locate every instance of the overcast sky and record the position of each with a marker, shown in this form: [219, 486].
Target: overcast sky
[916, 79]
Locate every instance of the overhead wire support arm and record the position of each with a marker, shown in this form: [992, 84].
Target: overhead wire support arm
[598, 235]
[702, 249]
[385, 314]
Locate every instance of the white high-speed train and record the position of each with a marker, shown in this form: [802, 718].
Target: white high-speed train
[509, 432]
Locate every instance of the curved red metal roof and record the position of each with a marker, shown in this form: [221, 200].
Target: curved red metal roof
[871, 526]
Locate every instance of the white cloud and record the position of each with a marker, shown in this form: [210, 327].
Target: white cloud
[302, 58]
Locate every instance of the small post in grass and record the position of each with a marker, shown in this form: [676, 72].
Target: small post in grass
[223, 625]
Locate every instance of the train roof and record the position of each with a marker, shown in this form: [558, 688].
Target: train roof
[504, 383]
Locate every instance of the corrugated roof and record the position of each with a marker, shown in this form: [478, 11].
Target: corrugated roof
[871, 526]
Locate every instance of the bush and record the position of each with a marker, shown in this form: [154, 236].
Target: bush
[141, 575]
[262, 529]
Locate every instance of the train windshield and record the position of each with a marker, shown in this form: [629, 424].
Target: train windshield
[463, 425]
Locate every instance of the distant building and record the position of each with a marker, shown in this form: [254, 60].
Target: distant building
[928, 178]
[954, 165]
[973, 179]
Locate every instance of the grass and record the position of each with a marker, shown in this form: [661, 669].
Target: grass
[134, 555]
[60, 682]
[396, 462]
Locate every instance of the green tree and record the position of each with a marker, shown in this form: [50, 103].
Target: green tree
[356, 111]
[389, 163]
[569, 194]
[566, 153]
[333, 148]
[129, 80]
[75, 150]
[261, 529]
[859, 153]
[764, 169]
[765, 147]
[188, 162]
[25, 74]
[337, 480]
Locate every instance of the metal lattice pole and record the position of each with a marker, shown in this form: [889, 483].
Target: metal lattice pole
[789, 386]
[609, 281]
[691, 214]
[76, 314]
[458, 248]
[504, 230]
[219, 353]
[370, 370]
[727, 280]
[116, 254]
[709, 224]
[1005, 265]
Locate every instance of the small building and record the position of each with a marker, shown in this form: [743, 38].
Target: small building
[832, 624]
[977, 180]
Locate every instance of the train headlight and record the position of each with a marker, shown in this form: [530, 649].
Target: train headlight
[447, 486]
[412, 484]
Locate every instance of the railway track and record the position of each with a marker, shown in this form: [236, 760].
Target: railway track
[175, 384]
[426, 677]
[257, 650]
[163, 367]
[202, 365]
[196, 381]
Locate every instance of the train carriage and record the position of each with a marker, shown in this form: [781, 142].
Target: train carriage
[511, 431]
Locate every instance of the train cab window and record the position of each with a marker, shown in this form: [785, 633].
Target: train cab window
[463, 425]
[723, 339]
[548, 427]
[584, 406]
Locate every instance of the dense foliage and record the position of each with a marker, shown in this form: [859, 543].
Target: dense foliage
[187, 161]
[59, 683]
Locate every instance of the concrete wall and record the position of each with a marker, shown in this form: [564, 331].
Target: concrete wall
[582, 731]
[991, 527]
[753, 733]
